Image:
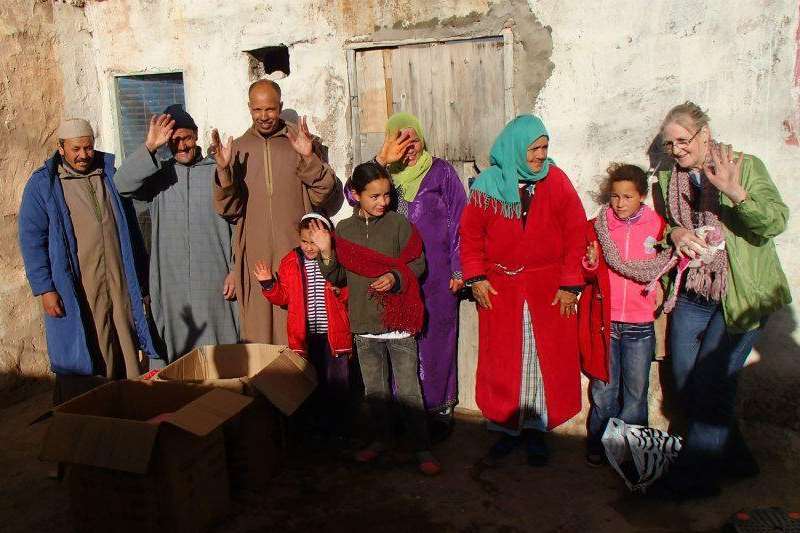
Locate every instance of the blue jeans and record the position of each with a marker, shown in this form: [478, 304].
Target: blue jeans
[632, 349]
[706, 360]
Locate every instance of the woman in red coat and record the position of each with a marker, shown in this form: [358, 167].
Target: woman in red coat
[522, 241]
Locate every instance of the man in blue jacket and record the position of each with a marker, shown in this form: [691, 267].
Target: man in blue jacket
[84, 257]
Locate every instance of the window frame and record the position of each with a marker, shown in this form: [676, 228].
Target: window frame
[117, 115]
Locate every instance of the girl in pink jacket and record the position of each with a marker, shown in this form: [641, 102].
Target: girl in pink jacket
[620, 261]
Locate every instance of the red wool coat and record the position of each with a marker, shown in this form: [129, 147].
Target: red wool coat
[289, 291]
[594, 316]
[549, 249]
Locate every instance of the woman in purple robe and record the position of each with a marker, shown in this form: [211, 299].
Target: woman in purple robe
[431, 196]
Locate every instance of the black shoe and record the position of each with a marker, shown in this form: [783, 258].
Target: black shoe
[596, 458]
[501, 449]
[536, 447]
[663, 489]
[440, 427]
[741, 468]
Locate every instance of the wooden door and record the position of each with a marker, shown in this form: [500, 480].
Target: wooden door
[459, 91]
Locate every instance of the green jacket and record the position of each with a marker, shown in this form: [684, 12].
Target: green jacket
[757, 285]
[387, 235]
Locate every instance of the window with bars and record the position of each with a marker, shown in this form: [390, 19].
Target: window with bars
[139, 98]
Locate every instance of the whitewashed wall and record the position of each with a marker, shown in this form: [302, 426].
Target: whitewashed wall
[617, 67]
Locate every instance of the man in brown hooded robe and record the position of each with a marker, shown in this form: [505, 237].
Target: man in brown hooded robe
[265, 181]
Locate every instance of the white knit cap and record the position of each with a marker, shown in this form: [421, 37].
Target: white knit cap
[72, 128]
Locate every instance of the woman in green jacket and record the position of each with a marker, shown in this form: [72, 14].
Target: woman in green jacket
[723, 211]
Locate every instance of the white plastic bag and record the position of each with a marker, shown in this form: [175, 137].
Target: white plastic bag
[639, 454]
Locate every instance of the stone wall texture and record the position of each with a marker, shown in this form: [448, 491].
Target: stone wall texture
[31, 98]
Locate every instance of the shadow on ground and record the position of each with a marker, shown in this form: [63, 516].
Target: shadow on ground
[321, 489]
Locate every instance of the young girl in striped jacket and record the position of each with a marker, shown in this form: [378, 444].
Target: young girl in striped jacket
[318, 327]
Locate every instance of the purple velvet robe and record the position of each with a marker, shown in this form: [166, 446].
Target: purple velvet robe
[436, 212]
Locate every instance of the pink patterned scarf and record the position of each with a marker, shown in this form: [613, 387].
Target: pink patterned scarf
[710, 277]
[640, 271]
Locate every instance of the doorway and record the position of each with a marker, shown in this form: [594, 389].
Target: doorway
[461, 91]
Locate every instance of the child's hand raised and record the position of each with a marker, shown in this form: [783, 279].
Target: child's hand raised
[592, 254]
[262, 272]
[321, 238]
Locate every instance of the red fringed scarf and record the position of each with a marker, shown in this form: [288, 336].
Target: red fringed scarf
[402, 310]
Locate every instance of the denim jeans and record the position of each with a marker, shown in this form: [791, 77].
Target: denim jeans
[374, 357]
[625, 394]
[706, 360]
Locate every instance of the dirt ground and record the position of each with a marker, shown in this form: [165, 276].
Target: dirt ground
[324, 491]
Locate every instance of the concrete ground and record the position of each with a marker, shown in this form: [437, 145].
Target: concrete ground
[324, 491]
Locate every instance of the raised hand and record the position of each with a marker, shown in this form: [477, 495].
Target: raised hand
[161, 128]
[725, 172]
[301, 140]
[222, 152]
[51, 302]
[262, 271]
[321, 237]
[394, 147]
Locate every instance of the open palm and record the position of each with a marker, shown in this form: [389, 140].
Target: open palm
[301, 139]
[222, 152]
[160, 131]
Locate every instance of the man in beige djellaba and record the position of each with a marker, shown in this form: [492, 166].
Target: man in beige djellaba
[266, 180]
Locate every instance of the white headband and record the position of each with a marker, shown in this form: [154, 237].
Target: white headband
[318, 217]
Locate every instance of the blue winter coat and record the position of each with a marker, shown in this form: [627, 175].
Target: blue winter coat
[50, 253]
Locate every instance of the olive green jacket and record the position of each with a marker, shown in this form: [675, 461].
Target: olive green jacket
[757, 285]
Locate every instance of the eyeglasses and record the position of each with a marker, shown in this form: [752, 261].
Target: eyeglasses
[680, 143]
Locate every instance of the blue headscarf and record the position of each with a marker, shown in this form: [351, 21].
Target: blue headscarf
[509, 164]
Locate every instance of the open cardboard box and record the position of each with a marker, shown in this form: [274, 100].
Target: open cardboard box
[283, 377]
[128, 472]
[276, 376]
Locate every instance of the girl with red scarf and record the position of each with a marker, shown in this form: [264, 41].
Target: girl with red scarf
[379, 253]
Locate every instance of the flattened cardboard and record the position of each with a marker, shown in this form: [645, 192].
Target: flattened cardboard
[107, 427]
[280, 374]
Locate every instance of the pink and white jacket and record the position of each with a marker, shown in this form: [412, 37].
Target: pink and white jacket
[635, 239]
[610, 297]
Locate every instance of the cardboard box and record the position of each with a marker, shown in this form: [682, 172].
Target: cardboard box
[276, 376]
[129, 473]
